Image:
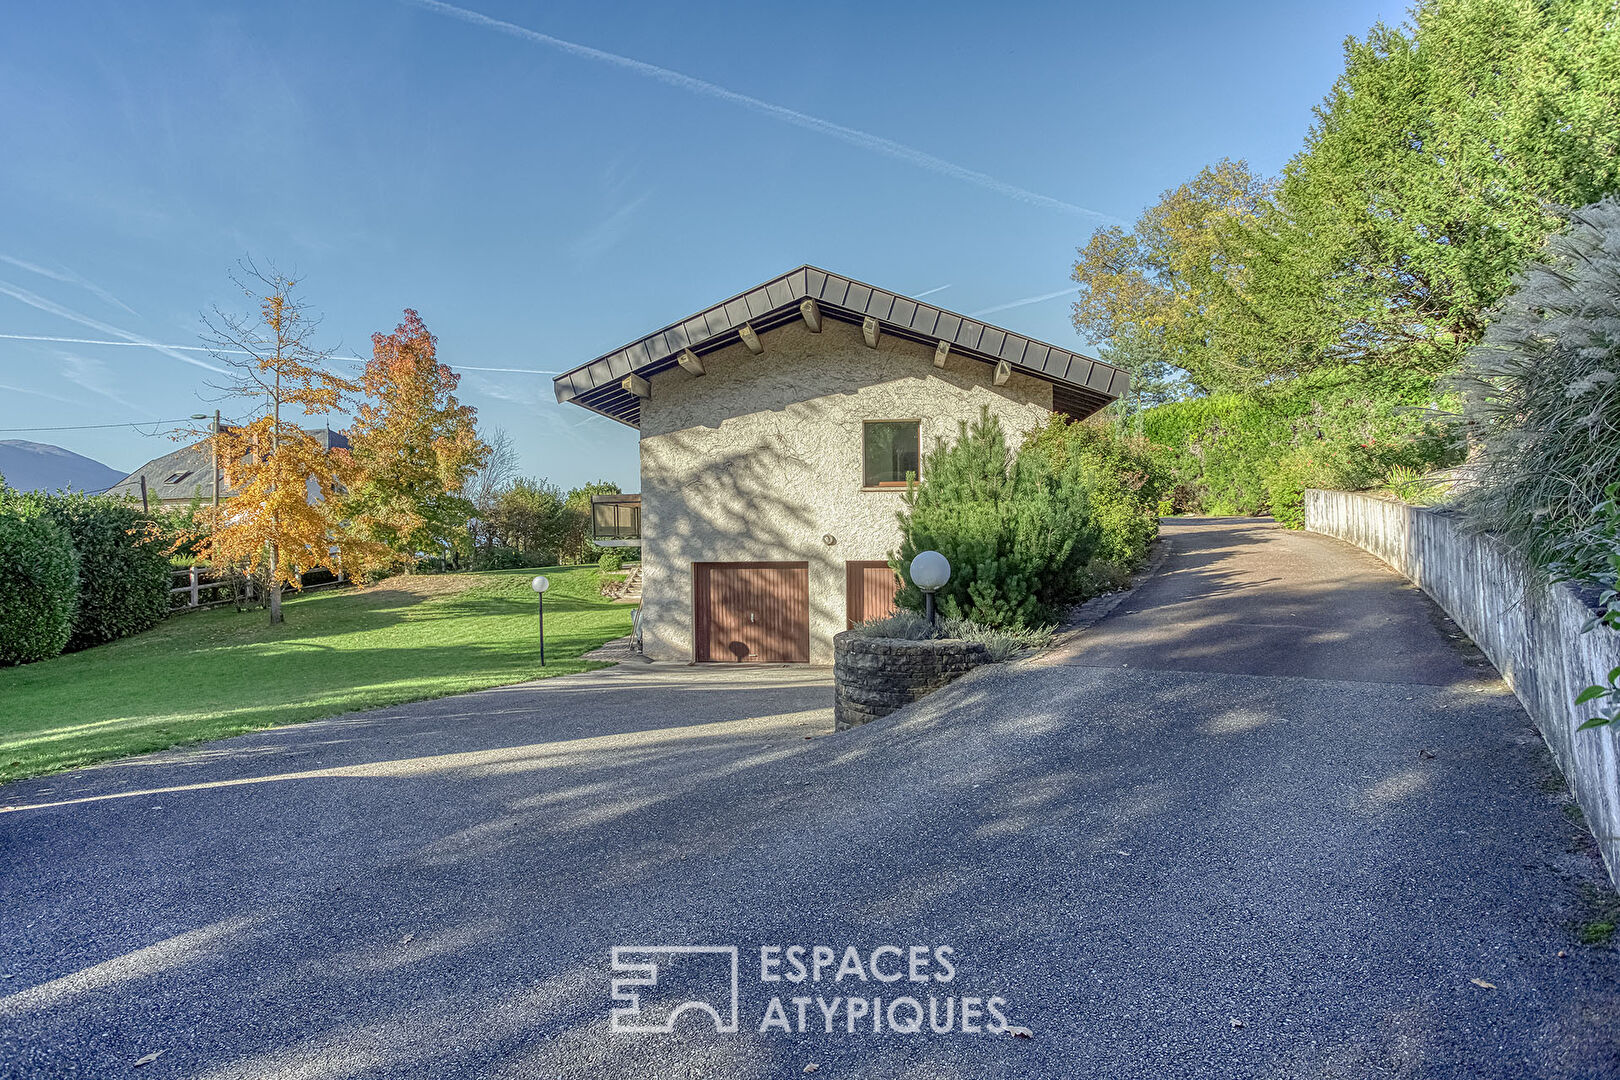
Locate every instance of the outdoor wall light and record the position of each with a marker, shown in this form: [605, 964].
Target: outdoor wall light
[540, 584]
[930, 571]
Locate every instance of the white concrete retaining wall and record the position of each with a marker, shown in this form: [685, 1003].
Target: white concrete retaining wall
[1532, 634]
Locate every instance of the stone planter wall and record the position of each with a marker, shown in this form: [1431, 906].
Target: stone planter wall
[873, 677]
[1532, 634]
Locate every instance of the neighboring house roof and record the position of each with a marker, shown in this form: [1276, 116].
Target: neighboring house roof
[1080, 384]
[188, 472]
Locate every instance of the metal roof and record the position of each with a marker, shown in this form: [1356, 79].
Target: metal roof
[1081, 385]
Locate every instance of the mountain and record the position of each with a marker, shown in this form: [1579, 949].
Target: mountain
[32, 466]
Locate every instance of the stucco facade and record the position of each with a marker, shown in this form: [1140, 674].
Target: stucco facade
[760, 459]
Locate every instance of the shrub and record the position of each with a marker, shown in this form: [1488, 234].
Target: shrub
[1018, 532]
[1411, 486]
[123, 567]
[902, 624]
[502, 557]
[1002, 644]
[1287, 479]
[1128, 482]
[39, 582]
[610, 562]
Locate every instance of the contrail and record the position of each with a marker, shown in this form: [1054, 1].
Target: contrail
[36, 393]
[929, 292]
[37, 301]
[855, 137]
[236, 352]
[513, 370]
[69, 278]
[1021, 303]
[94, 341]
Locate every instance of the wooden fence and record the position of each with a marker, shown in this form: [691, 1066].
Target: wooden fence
[197, 588]
[191, 585]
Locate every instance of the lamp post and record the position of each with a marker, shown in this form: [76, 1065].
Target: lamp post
[540, 585]
[930, 571]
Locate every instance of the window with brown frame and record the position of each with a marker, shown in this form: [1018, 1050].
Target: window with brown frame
[890, 452]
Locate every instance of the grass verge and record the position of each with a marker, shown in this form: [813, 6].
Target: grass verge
[219, 673]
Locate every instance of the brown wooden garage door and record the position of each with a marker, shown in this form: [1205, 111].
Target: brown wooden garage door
[869, 590]
[756, 612]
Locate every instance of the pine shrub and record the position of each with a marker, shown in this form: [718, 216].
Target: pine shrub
[1018, 531]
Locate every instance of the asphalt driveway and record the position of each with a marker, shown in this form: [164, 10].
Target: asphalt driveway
[1267, 819]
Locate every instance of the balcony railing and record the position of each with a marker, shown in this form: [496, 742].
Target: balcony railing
[616, 520]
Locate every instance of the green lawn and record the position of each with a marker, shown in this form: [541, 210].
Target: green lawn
[219, 673]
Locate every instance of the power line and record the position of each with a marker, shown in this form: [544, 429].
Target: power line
[87, 427]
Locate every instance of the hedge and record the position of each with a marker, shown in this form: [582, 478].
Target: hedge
[1129, 485]
[1256, 453]
[123, 570]
[39, 575]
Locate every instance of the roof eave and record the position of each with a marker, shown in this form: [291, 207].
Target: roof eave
[597, 384]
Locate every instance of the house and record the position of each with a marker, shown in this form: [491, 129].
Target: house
[174, 480]
[777, 429]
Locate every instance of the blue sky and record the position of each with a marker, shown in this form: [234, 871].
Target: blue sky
[542, 200]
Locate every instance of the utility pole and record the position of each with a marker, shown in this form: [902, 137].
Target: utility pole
[215, 441]
[275, 444]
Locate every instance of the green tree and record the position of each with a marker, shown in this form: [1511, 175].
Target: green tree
[1445, 154]
[1157, 292]
[1442, 158]
[1128, 484]
[1154, 380]
[577, 546]
[534, 517]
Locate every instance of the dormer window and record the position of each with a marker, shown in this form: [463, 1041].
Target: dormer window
[890, 452]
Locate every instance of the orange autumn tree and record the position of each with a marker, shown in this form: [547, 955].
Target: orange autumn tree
[278, 521]
[417, 448]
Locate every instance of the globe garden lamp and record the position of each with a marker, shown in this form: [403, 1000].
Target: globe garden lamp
[929, 572]
[540, 584]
